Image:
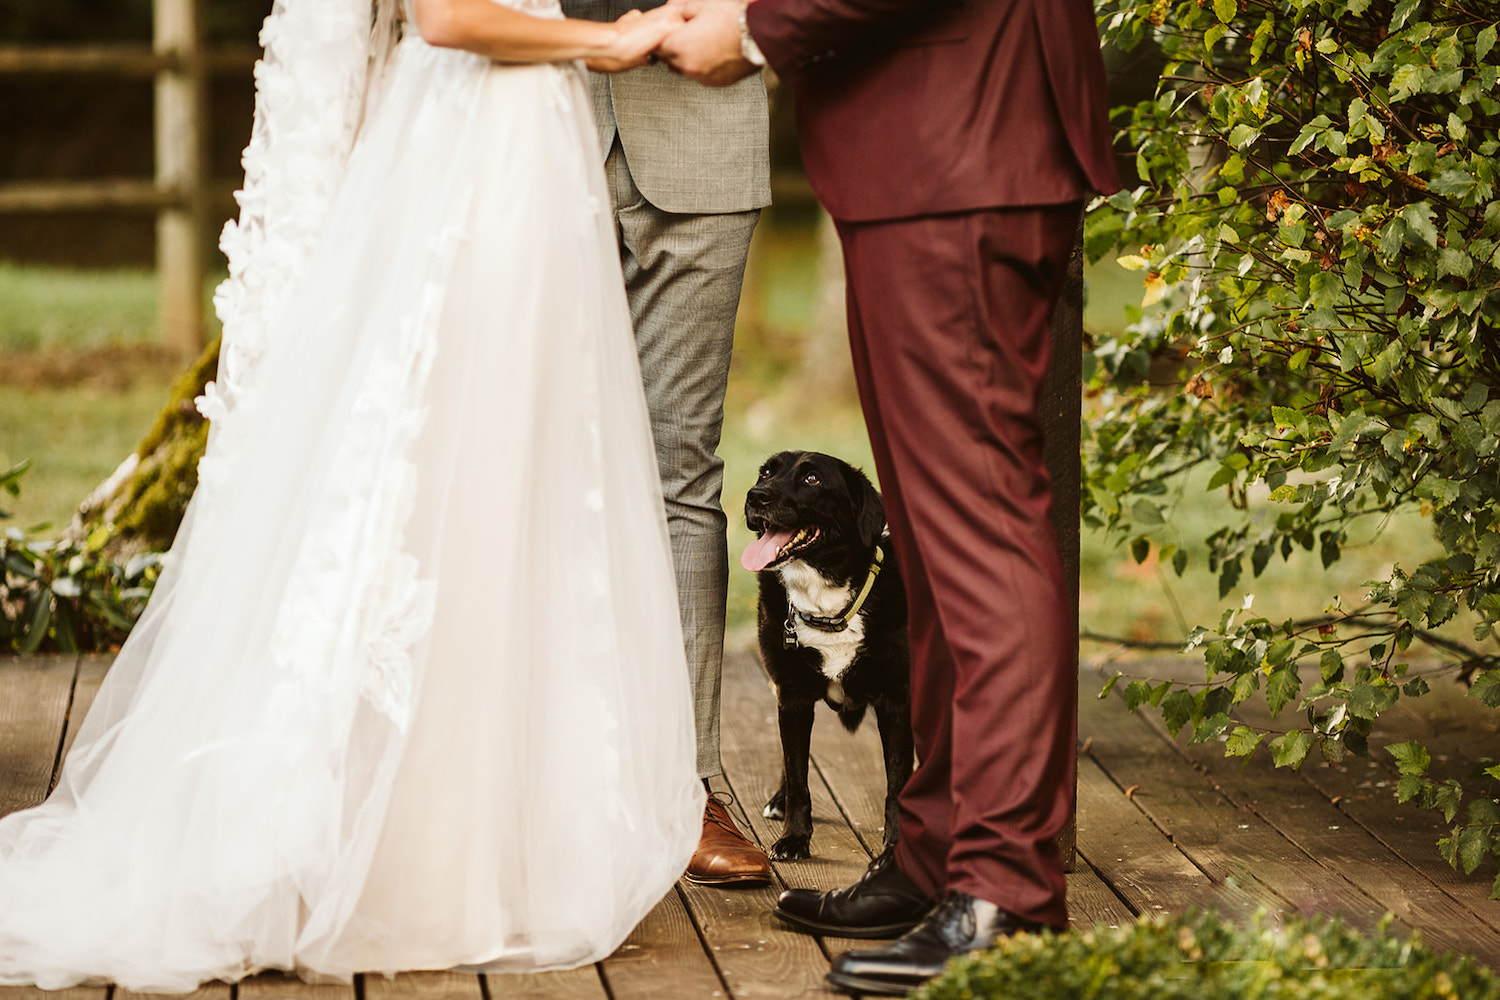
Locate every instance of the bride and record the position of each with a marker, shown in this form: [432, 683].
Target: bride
[411, 691]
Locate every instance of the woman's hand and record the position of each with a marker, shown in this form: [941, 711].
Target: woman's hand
[513, 36]
[637, 34]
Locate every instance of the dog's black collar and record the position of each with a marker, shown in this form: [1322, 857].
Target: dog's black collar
[840, 621]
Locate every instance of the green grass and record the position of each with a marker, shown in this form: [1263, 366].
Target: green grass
[74, 438]
[73, 435]
[46, 308]
[1108, 289]
[756, 426]
[76, 435]
[1149, 601]
[1118, 596]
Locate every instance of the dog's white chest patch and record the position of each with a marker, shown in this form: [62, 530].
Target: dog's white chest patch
[809, 593]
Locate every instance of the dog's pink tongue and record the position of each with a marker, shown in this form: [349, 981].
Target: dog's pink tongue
[762, 552]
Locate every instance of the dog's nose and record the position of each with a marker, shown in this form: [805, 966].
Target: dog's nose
[759, 496]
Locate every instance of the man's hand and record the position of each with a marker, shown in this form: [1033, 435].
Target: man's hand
[706, 47]
[636, 35]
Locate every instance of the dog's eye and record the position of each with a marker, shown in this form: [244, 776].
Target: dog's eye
[765, 473]
[811, 479]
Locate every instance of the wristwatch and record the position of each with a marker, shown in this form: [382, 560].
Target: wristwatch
[749, 51]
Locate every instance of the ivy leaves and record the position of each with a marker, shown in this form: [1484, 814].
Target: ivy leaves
[1317, 221]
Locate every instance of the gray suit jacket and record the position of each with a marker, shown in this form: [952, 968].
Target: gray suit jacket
[691, 149]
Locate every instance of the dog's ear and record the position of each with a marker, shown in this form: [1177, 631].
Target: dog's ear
[869, 512]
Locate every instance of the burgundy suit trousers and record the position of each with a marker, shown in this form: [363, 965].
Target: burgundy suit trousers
[948, 323]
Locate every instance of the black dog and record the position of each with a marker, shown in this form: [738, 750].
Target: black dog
[832, 622]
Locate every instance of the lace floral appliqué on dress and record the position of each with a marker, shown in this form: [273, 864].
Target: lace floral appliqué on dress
[410, 692]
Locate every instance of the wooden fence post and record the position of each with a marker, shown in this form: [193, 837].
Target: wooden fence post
[180, 100]
[1061, 412]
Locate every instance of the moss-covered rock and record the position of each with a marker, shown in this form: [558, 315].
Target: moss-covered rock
[140, 508]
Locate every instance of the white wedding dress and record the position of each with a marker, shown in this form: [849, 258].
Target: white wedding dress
[411, 691]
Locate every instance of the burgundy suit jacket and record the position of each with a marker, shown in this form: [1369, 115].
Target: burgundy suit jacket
[921, 107]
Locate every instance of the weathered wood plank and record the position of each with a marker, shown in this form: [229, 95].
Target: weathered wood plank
[853, 767]
[1091, 901]
[1322, 830]
[1447, 707]
[423, 986]
[279, 986]
[756, 954]
[91, 671]
[752, 763]
[1363, 792]
[574, 984]
[663, 959]
[208, 991]
[34, 696]
[1138, 861]
[854, 770]
[33, 993]
[1227, 841]
[1352, 825]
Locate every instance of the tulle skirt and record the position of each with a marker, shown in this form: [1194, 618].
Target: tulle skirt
[411, 692]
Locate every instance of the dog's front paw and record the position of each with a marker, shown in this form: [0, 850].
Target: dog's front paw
[776, 808]
[792, 847]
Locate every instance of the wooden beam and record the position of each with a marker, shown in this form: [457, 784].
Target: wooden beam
[17, 197]
[1061, 411]
[229, 60]
[180, 245]
[81, 196]
[115, 60]
[119, 60]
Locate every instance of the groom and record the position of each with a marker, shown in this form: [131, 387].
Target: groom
[953, 142]
[689, 172]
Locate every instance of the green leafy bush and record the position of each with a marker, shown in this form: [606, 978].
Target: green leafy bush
[10, 481]
[1318, 226]
[67, 596]
[1199, 957]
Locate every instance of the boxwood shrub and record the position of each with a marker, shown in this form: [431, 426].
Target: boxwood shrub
[1199, 956]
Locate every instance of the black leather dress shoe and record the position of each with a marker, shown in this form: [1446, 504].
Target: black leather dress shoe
[883, 903]
[958, 925]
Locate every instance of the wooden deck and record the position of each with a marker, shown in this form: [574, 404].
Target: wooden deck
[1161, 827]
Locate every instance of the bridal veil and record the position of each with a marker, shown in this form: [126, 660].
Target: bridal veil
[410, 692]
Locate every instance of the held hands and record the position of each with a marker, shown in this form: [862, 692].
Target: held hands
[699, 39]
[706, 46]
[637, 35]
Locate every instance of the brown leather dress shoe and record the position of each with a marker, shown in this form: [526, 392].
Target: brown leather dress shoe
[724, 855]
